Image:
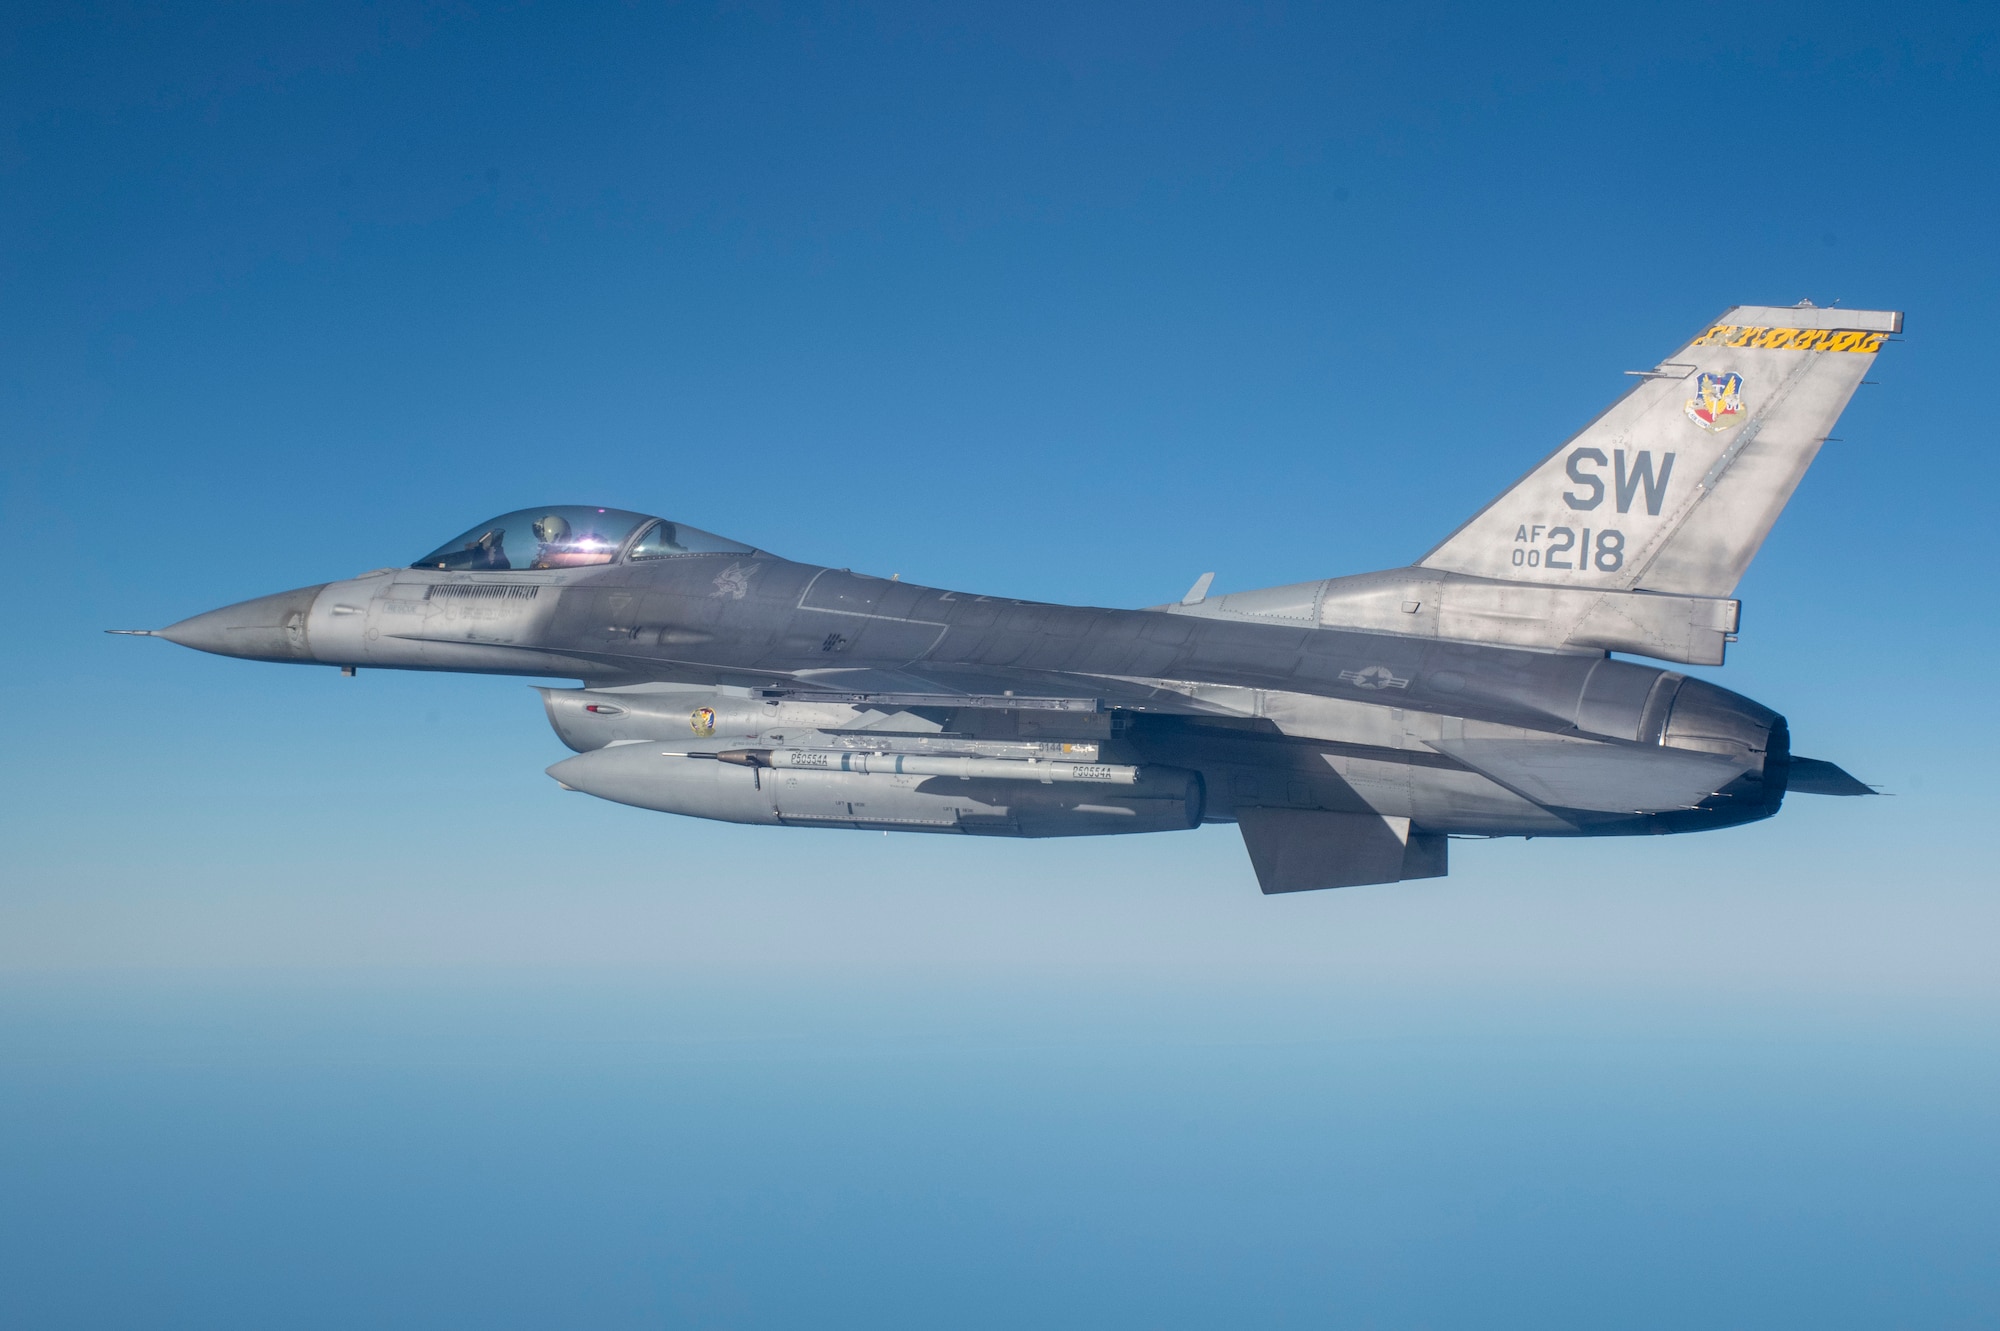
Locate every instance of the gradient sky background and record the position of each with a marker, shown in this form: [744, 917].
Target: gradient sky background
[320, 1005]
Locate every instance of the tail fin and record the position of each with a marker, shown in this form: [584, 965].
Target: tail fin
[1674, 488]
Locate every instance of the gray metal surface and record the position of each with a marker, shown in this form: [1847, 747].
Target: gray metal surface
[1348, 725]
[1299, 850]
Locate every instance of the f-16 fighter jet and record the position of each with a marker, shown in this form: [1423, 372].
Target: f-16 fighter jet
[1349, 727]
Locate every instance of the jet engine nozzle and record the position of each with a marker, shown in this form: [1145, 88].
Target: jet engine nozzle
[1709, 719]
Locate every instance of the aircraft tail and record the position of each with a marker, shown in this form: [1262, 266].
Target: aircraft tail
[1674, 488]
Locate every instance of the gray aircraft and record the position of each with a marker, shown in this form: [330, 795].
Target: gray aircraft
[1349, 727]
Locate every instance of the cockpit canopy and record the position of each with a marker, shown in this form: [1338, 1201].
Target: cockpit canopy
[572, 536]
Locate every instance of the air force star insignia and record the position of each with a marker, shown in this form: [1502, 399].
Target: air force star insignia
[1375, 677]
[1717, 403]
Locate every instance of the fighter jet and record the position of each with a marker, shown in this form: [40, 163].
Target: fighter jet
[1349, 727]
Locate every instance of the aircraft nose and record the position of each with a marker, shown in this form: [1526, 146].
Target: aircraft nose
[270, 628]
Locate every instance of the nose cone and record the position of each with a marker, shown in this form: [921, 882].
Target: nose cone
[270, 628]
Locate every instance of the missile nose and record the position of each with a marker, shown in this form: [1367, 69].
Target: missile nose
[621, 772]
[270, 628]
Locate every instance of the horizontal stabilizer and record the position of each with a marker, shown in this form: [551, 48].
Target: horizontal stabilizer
[1814, 776]
[1304, 850]
[1603, 778]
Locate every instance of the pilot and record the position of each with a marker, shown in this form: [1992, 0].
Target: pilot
[559, 547]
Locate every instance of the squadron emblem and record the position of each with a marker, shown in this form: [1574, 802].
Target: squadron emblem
[702, 721]
[734, 581]
[1717, 403]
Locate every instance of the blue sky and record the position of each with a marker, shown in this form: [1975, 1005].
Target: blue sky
[1061, 302]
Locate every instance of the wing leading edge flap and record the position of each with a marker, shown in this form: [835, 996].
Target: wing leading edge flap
[1304, 850]
[1603, 778]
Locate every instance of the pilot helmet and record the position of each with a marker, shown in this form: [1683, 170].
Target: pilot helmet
[551, 530]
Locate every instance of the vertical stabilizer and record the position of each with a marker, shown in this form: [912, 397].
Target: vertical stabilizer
[1674, 488]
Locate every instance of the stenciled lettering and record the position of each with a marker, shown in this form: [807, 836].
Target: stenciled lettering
[1610, 551]
[1642, 475]
[1574, 467]
[1603, 551]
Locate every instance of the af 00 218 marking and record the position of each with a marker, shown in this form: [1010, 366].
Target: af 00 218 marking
[1608, 556]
